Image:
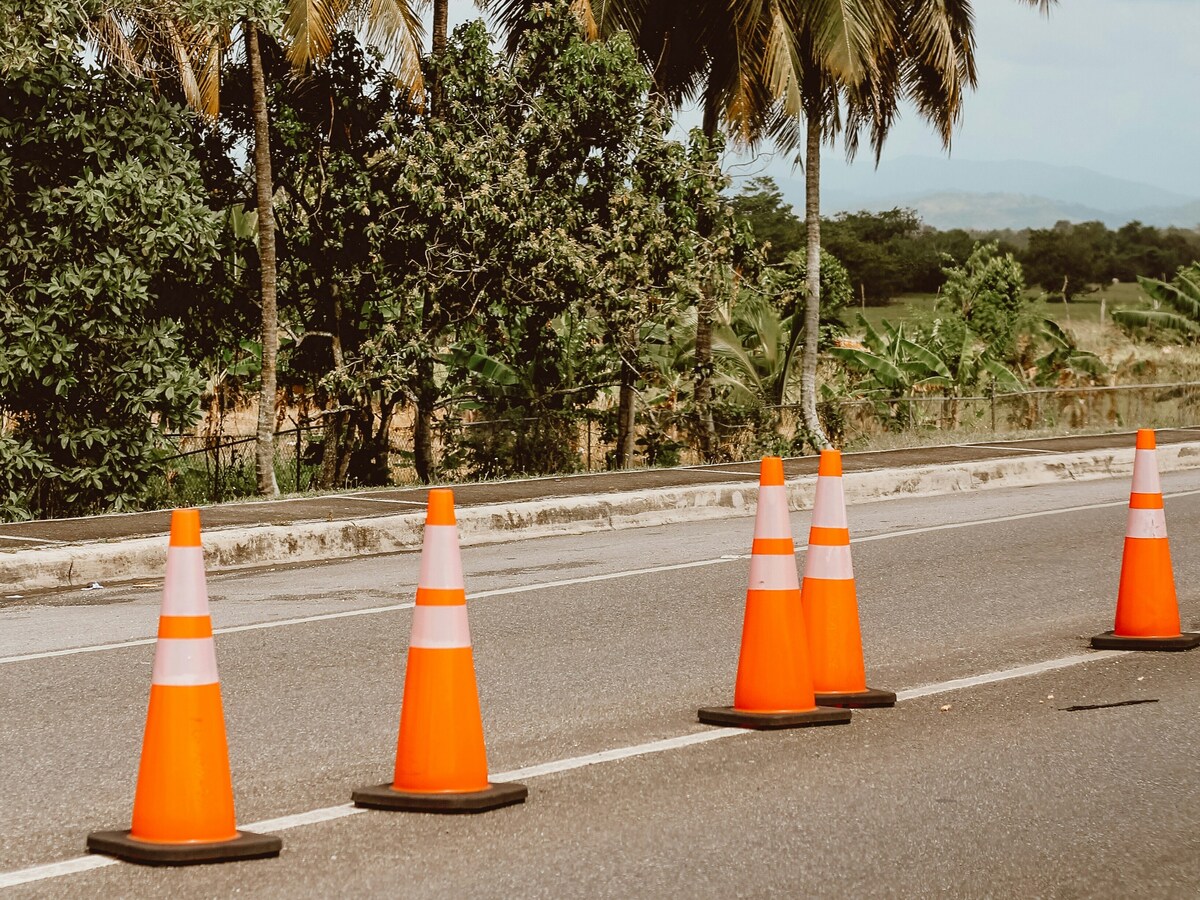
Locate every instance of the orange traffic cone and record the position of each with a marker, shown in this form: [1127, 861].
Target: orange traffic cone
[829, 600]
[1147, 609]
[183, 806]
[441, 762]
[774, 688]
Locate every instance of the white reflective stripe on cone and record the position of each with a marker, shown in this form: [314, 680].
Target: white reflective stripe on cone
[773, 572]
[185, 661]
[440, 627]
[829, 503]
[1146, 523]
[1145, 473]
[828, 562]
[771, 518]
[184, 590]
[441, 562]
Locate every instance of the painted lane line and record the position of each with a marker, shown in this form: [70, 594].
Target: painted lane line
[1015, 517]
[1049, 665]
[312, 817]
[55, 870]
[578, 762]
[587, 579]
[374, 610]
[31, 540]
[345, 810]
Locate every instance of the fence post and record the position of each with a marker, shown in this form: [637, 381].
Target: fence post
[299, 432]
[992, 397]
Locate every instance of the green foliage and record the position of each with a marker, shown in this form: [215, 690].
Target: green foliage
[790, 285]
[777, 229]
[987, 295]
[1181, 296]
[102, 224]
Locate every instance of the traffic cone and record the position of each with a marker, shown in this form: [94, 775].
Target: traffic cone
[441, 761]
[183, 805]
[774, 688]
[829, 601]
[1147, 609]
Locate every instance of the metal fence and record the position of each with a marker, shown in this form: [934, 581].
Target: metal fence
[214, 467]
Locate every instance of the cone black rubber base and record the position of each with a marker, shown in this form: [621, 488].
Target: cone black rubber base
[871, 698]
[737, 718]
[245, 846]
[384, 796]
[1111, 641]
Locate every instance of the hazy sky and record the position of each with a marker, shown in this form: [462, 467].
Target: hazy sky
[1112, 85]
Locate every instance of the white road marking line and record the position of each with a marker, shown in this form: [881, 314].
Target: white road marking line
[312, 817]
[55, 870]
[1006, 674]
[32, 540]
[567, 582]
[578, 762]
[344, 810]
[750, 474]
[373, 610]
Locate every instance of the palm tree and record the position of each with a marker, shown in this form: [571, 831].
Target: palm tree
[760, 66]
[730, 55]
[920, 50]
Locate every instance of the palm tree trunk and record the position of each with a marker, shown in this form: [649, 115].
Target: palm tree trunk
[426, 389]
[812, 300]
[441, 16]
[265, 441]
[705, 305]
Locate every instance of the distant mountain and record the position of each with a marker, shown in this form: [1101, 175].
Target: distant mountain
[957, 193]
[962, 209]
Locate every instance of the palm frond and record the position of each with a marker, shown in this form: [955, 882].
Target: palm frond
[309, 29]
[1155, 318]
[394, 26]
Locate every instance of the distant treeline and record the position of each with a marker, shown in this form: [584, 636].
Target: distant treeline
[893, 252]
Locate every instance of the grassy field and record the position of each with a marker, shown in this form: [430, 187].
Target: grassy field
[1083, 309]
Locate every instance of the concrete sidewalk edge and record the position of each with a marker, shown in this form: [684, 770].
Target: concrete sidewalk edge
[56, 568]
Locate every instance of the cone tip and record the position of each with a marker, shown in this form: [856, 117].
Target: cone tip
[185, 528]
[771, 472]
[441, 507]
[1145, 439]
[830, 464]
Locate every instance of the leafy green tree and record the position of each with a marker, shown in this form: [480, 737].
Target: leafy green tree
[1068, 259]
[776, 227]
[102, 226]
[987, 295]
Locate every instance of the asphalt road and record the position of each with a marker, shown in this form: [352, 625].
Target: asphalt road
[1008, 792]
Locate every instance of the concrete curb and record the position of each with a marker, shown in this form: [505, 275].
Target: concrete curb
[230, 549]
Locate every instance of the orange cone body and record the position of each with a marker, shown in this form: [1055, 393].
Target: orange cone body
[773, 688]
[1147, 607]
[441, 760]
[829, 600]
[184, 796]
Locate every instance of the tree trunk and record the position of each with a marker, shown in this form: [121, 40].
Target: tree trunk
[264, 454]
[705, 303]
[426, 391]
[626, 412]
[423, 424]
[812, 300]
[334, 423]
[441, 14]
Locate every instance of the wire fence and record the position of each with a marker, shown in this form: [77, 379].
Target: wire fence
[215, 466]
